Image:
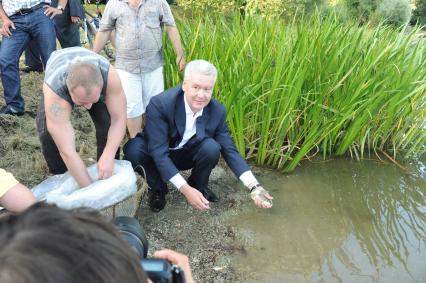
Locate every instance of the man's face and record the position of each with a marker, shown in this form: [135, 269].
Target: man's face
[198, 91]
[81, 98]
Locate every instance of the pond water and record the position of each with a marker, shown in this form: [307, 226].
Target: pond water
[337, 221]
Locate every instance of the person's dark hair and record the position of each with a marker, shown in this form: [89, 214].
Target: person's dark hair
[47, 244]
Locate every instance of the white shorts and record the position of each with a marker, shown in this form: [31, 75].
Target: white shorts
[139, 88]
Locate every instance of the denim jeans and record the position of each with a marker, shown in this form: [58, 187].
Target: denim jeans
[33, 26]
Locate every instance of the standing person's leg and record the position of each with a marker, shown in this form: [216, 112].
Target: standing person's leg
[69, 36]
[152, 84]
[102, 121]
[132, 87]
[49, 149]
[11, 50]
[44, 34]
[32, 58]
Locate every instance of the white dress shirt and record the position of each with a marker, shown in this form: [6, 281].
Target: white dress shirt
[190, 129]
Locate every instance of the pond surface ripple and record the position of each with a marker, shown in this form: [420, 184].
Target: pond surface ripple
[337, 221]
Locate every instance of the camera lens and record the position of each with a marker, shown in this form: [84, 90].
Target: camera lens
[132, 232]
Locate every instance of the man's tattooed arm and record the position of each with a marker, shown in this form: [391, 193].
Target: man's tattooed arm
[55, 109]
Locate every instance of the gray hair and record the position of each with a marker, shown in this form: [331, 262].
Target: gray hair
[84, 74]
[200, 67]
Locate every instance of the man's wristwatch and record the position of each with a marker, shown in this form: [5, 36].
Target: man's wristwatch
[60, 8]
[255, 187]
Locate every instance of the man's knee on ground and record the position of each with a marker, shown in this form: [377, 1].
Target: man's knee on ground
[133, 152]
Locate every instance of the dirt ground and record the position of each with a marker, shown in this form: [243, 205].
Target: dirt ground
[203, 236]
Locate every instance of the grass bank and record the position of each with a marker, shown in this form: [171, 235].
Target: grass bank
[312, 86]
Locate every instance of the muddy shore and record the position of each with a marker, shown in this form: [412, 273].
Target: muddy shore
[203, 236]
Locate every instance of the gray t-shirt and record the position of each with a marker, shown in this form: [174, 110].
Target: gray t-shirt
[58, 64]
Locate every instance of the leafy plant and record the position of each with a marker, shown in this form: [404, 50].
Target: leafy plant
[312, 86]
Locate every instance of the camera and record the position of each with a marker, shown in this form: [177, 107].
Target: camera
[158, 270]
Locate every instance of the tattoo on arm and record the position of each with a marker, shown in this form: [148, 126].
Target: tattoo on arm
[55, 109]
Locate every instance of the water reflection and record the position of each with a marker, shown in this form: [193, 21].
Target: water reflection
[338, 221]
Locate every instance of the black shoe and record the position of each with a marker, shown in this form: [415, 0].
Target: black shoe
[209, 195]
[9, 110]
[157, 200]
[28, 69]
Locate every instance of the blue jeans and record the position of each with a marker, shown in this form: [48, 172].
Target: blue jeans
[33, 26]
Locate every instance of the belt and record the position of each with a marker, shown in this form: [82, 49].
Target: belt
[26, 11]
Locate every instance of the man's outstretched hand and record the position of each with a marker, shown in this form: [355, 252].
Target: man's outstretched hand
[261, 197]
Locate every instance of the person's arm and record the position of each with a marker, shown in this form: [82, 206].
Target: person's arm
[14, 196]
[174, 38]
[58, 112]
[178, 259]
[100, 40]
[238, 165]
[53, 11]
[7, 23]
[75, 11]
[106, 26]
[115, 101]
[18, 198]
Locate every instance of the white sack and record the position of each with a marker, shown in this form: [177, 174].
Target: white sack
[63, 190]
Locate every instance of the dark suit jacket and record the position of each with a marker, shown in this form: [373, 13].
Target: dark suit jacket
[165, 126]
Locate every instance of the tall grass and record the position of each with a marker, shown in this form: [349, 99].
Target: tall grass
[313, 86]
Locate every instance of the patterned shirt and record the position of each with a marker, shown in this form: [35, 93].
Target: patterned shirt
[12, 6]
[138, 36]
[57, 69]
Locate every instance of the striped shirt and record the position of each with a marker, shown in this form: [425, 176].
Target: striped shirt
[138, 36]
[13, 6]
[58, 64]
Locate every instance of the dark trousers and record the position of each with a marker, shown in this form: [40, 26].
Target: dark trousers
[202, 158]
[101, 119]
[68, 35]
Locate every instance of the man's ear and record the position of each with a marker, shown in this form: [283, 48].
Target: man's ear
[184, 86]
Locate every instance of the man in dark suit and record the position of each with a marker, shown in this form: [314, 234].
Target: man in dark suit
[186, 128]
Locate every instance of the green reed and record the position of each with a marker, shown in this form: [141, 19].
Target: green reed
[314, 86]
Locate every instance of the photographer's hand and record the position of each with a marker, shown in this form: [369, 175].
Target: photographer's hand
[178, 259]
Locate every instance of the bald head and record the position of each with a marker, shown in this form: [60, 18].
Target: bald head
[84, 74]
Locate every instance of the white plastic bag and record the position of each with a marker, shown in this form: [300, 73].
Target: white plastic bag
[63, 190]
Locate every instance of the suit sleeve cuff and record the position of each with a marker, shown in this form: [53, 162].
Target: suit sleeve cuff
[177, 180]
[247, 178]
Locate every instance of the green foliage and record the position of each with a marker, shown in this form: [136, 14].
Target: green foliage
[394, 12]
[266, 8]
[361, 9]
[313, 86]
[211, 5]
[419, 14]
